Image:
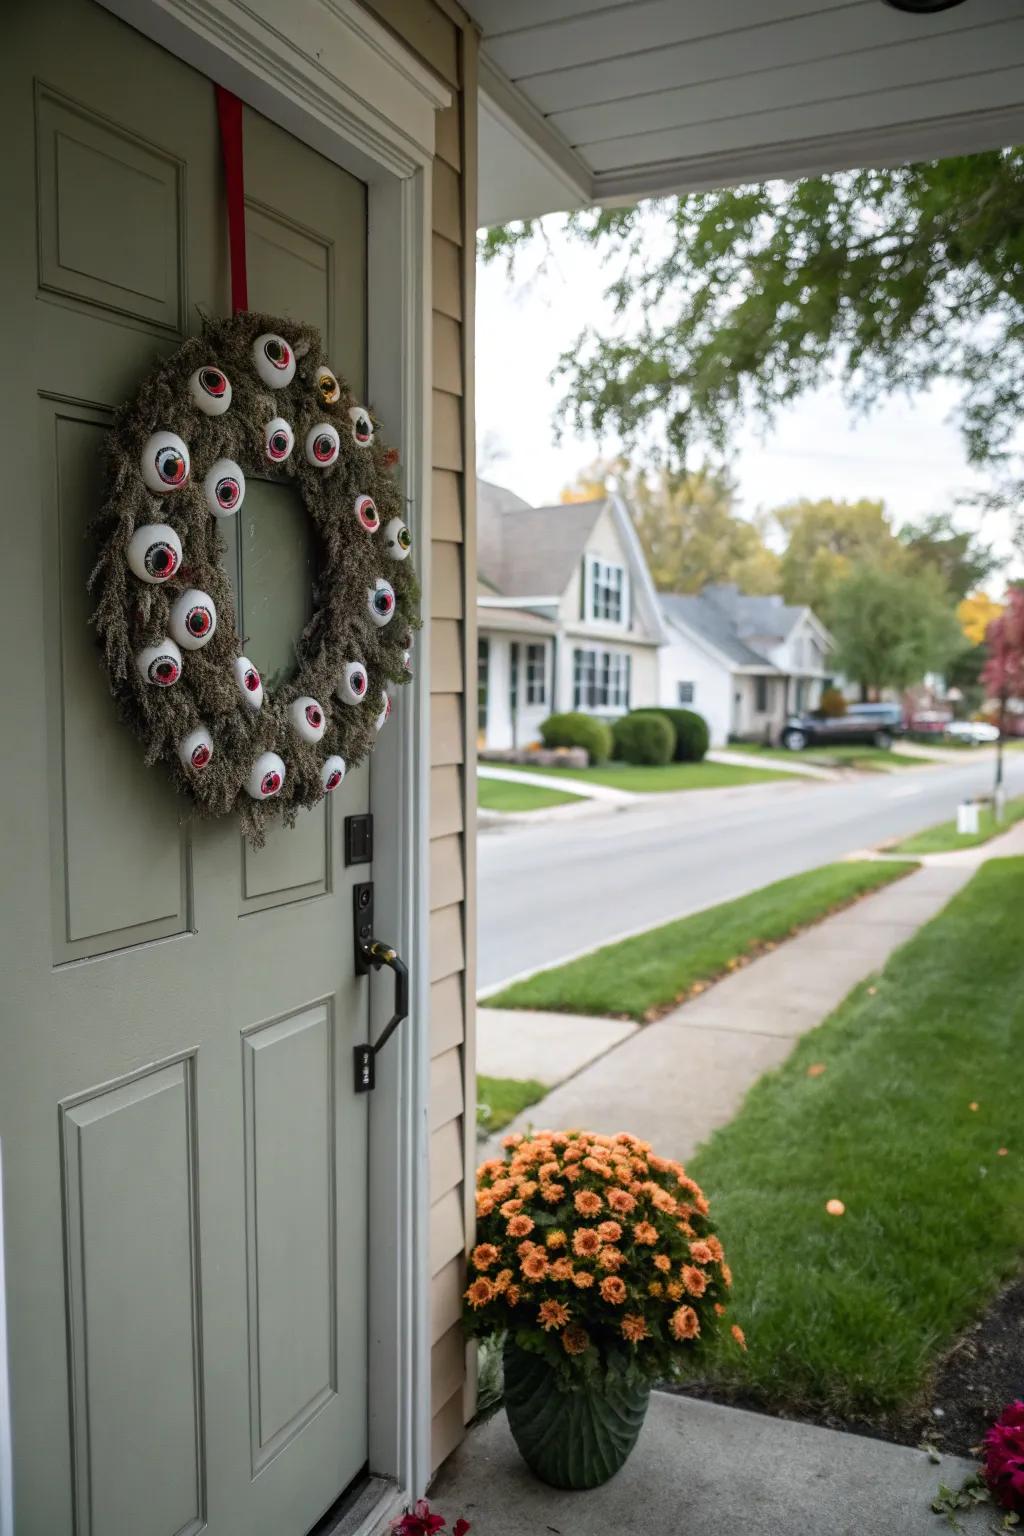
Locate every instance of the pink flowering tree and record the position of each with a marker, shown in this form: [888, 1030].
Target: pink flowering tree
[1003, 673]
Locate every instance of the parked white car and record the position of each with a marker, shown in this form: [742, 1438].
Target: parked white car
[977, 732]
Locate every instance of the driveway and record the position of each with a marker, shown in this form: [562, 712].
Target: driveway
[555, 890]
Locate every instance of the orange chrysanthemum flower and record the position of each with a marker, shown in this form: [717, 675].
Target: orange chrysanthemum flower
[684, 1323]
[489, 1170]
[645, 1233]
[613, 1290]
[587, 1202]
[663, 1201]
[575, 1339]
[702, 1205]
[511, 1140]
[484, 1255]
[662, 1262]
[526, 1188]
[674, 1290]
[573, 1173]
[586, 1243]
[502, 1188]
[552, 1314]
[548, 1171]
[701, 1253]
[695, 1280]
[527, 1246]
[484, 1202]
[501, 1281]
[726, 1276]
[655, 1288]
[739, 1335]
[562, 1269]
[573, 1154]
[552, 1193]
[480, 1292]
[717, 1252]
[519, 1226]
[582, 1279]
[634, 1328]
[511, 1208]
[598, 1165]
[621, 1201]
[512, 1295]
[534, 1266]
[555, 1239]
[609, 1231]
[611, 1258]
[719, 1309]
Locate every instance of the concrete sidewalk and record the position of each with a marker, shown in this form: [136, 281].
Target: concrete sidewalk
[558, 780]
[703, 1470]
[676, 1081]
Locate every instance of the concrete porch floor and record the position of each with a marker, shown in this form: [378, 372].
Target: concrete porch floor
[703, 1470]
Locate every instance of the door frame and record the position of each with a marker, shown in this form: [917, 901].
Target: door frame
[341, 83]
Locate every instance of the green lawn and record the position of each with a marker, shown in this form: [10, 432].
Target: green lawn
[504, 795]
[647, 780]
[870, 759]
[944, 837]
[642, 976]
[499, 1100]
[923, 1084]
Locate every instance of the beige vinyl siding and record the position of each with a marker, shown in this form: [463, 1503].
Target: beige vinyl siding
[438, 31]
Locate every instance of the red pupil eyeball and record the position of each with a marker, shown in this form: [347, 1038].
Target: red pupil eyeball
[160, 560]
[277, 353]
[200, 757]
[164, 671]
[359, 683]
[198, 621]
[213, 381]
[313, 715]
[170, 466]
[323, 447]
[271, 782]
[382, 601]
[227, 492]
[252, 680]
[334, 780]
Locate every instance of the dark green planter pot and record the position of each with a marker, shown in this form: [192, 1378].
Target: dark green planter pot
[570, 1439]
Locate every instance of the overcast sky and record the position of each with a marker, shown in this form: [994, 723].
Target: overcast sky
[909, 454]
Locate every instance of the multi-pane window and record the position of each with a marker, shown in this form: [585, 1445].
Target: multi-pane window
[607, 591]
[685, 693]
[483, 666]
[600, 680]
[761, 695]
[536, 674]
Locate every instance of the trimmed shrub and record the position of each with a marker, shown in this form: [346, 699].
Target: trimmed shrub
[644, 737]
[691, 734]
[833, 705]
[576, 730]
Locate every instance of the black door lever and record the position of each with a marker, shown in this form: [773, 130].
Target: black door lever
[373, 954]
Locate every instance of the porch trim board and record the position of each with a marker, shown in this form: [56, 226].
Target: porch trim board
[343, 84]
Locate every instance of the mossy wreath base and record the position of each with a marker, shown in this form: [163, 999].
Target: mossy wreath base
[575, 1438]
[356, 552]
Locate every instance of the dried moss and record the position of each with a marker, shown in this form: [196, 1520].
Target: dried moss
[131, 614]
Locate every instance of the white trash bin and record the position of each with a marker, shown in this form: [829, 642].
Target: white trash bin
[967, 818]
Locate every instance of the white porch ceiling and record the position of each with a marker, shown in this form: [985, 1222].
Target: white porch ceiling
[584, 101]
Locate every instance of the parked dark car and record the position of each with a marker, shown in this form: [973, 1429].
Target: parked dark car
[874, 724]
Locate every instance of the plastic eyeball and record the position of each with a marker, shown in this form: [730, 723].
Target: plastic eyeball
[154, 552]
[196, 749]
[308, 718]
[385, 712]
[407, 660]
[322, 445]
[159, 664]
[367, 515]
[327, 386]
[362, 426]
[354, 683]
[274, 360]
[266, 776]
[380, 600]
[225, 487]
[279, 438]
[248, 680]
[165, 463]
[397, 539]
[332, 773]
[193, 619]
[211, 390]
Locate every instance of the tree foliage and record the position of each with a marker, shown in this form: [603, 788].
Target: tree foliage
[961, 558]
[975, 614]
[889, 631]
[824, 540]
[737, 301]
[1003, 673]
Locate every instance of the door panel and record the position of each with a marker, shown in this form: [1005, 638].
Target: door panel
[184, 1156]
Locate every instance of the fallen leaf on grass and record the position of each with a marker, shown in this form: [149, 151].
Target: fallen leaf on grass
[973, 1104]
[1004, 1152]
[816, 1069]
[872, 991]
[835, 1207]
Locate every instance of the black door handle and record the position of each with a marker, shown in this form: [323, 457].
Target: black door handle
[373, 954]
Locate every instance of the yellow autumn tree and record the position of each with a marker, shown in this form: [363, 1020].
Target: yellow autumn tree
[975, 614]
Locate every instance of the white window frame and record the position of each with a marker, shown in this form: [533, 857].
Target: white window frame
[536, 691]
[691, 694]
[607, 592]
[338, 80]
[601, 680]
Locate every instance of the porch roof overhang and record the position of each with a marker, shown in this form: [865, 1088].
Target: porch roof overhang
[491, 619]
[609, 101]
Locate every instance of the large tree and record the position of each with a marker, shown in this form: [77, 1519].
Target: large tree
[739, 300]
[960, 557]
[824, 540]
[890, 631]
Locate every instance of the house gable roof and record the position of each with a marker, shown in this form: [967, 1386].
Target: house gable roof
[711, 623]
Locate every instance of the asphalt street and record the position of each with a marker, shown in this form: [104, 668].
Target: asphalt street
[553, 890]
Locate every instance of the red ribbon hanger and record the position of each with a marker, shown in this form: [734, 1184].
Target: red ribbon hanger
[229, 114]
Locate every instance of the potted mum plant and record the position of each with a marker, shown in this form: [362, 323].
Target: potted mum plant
[598, 1263]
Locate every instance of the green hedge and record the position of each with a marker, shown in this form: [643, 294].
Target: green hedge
[691, 734]
[644, 737]
[576, 730]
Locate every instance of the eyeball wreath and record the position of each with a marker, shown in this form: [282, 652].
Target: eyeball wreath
[252, 395]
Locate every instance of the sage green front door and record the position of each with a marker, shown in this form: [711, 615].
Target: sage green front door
[184, 1158]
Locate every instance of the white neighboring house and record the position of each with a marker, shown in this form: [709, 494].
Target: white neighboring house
[744, 663]
[567, 615]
